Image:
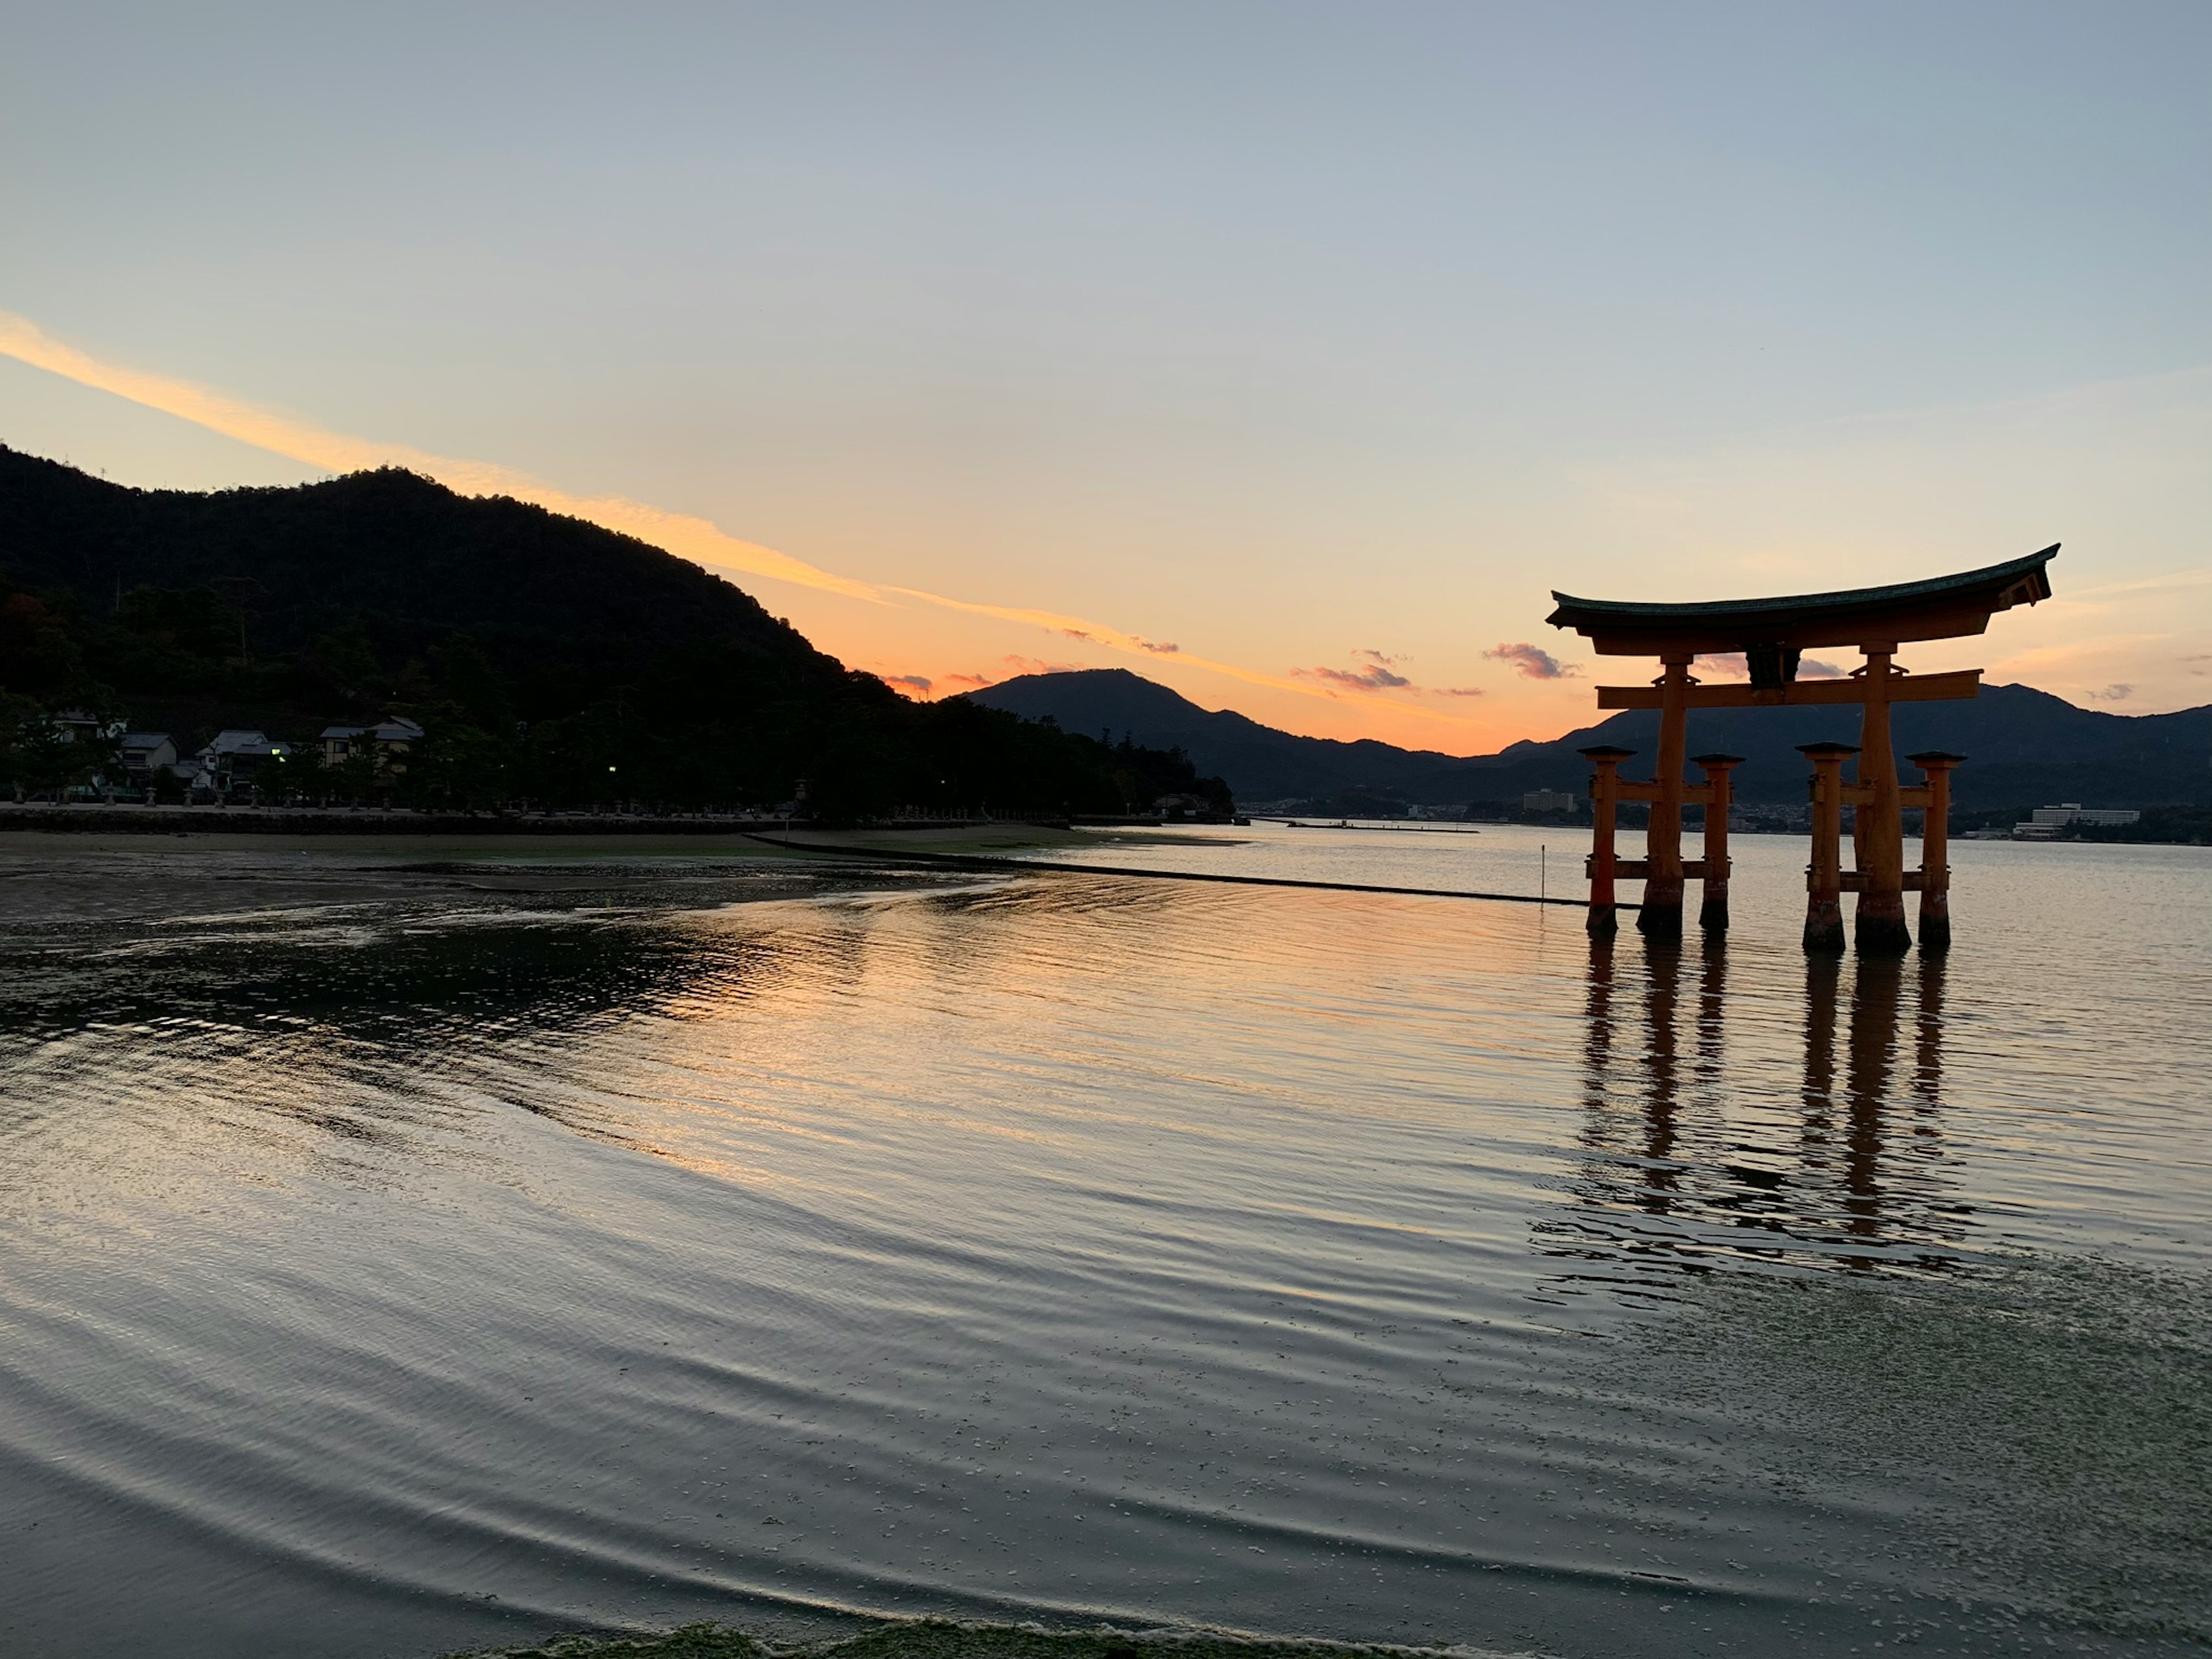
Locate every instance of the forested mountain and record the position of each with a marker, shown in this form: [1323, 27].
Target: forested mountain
[2025, 747]
[547, 658]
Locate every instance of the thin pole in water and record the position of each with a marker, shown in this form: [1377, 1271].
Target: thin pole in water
[1543, 875]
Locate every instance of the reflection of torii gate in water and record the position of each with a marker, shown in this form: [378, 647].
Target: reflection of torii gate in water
[1771, 634]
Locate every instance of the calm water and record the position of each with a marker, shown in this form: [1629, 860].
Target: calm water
[397, 1254]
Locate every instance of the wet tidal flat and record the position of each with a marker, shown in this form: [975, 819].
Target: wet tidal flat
[409, 1250]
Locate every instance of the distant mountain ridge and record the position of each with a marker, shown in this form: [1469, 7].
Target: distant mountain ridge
[2024, 746]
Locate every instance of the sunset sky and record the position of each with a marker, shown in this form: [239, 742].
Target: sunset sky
[1289, 354]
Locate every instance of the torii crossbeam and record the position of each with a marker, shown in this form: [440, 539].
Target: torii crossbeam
[1773, 633]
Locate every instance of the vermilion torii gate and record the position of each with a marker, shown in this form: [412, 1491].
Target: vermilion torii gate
[1773, 634]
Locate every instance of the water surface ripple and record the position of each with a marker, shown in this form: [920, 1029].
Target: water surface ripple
[400, 1255]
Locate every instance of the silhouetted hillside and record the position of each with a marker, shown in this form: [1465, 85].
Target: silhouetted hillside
[2023, 745]
[547, 658]
[560, 606]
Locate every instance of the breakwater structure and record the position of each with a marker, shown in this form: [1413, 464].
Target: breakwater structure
[1772, 635]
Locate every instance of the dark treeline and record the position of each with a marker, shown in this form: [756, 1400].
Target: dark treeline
[548, 661]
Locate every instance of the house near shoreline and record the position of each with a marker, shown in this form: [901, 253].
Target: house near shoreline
[237, 760]
[388, 741]
[145, 753]
[237, 765]
[76, 726]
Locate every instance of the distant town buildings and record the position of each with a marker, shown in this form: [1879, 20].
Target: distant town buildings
[2045, 822]
[1549, 801]
[1770, 817]
[238, 766]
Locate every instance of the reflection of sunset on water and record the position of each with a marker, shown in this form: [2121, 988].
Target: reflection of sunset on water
[1305, 1259]
[1700, 1155]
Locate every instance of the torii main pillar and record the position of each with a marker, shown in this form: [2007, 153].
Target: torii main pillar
[1772, 636]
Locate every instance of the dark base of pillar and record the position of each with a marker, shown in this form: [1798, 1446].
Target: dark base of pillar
[1823, 928]
[1934, 928]
[1878, 929]
[1712, 915]
[1604, 921]
[1660, 921]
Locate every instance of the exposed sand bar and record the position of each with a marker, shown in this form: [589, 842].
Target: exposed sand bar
[49, 878]
[97, 819]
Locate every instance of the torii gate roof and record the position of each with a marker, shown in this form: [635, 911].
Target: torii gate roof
[1939, 608]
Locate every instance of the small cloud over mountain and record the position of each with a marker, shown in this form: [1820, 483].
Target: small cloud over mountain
[1377, 675]
[1038, 666]
[1014, 667]
[1533, 662]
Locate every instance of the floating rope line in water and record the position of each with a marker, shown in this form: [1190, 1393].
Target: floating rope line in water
[984, 861]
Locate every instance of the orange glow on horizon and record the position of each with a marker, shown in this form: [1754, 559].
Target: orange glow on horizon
[1375, 710]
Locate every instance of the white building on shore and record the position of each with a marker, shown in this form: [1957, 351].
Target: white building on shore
[2047, 823]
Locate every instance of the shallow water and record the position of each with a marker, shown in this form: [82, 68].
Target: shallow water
[402, 1253]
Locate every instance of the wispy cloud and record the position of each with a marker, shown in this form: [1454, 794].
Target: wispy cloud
[1373, 677]
[301, 440]
[920, 684]
[1038, 666]
[1456, 692]
[2171, 579]
[2114, 693]
[1378, 671]
[2056, 660]
[1533, 662]
[951, 686]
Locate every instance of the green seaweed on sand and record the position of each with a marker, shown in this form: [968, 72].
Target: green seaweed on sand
[944, 1638]
[2047, 1418]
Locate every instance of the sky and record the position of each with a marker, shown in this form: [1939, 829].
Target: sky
[1288, 353]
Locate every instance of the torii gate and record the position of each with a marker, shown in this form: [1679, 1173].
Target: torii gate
[1773, 634]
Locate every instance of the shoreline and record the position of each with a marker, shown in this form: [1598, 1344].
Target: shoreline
[488, 841]
[100, 817]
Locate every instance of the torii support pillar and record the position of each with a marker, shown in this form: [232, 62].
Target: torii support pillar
[1878, 819]
[1660, 918]
[1824, 876]
[1713, 914]
[1936, 850]
[1605, 793]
